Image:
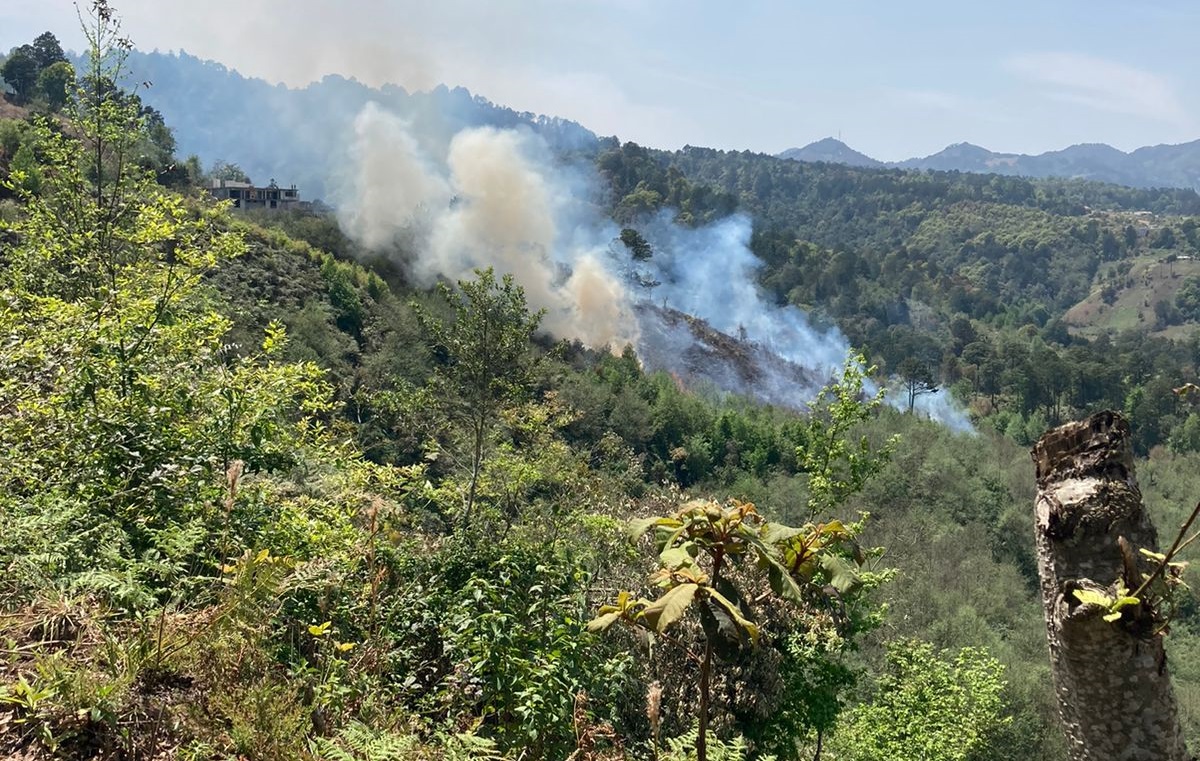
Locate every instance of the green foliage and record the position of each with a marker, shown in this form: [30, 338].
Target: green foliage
[798, 565]
[487, 359]
[225, 170]
[1187, 298]
[836, 464]
[978, 282]
[358, 742]
[638, 247]
[20, 71]
[683, 748]
[140, 415]
[498, 632]
[929, 706]
[519, 639]
[206, 528]
[39, 70]
[55, 84]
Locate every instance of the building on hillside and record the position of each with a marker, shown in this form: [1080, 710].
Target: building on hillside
[245, 195]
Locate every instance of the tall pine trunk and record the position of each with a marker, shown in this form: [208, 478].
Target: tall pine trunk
[1111, 679]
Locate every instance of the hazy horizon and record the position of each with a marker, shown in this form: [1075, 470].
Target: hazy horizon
[892, 82]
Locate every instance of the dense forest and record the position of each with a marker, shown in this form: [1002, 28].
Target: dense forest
[267, 498]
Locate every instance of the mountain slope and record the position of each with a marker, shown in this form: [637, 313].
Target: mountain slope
[302, 135]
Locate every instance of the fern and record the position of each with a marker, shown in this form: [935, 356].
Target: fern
[358, 742]
[466, 746]
[683, 748]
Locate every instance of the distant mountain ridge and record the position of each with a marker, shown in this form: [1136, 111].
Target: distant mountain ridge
[301, 135]
[1166, 166]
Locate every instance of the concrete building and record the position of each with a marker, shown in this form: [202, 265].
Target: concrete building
[245, 195]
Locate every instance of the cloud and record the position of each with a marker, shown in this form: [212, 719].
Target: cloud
[1101, 84]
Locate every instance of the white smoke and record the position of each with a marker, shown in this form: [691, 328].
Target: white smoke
[496, 198]
[392, 184]
[711, 273]
[492, 201]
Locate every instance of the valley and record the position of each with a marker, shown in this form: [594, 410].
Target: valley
[512, 440]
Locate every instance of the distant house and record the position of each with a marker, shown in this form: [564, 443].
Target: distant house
[245, 195]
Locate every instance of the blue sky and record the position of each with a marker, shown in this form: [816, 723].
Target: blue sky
[894, 79]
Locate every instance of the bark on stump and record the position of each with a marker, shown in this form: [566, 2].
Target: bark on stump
[1114, 691]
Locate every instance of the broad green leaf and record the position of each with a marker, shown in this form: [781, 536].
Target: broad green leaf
[639, 526]
[843, 576]
[1112, 616]
[735, 613]
[834, 528]
[782, 582]
[1123, 602]
[774, 533]
[668, 535]
[603, 621]
[722, 632]
[320, 631]
[677, 557]
[667, 609]
[1091, 597]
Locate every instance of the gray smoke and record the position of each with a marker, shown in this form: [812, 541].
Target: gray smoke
[711, 273]
[497, 198]
[492, 200]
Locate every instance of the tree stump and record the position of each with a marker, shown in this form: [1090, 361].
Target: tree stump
[1111, 679]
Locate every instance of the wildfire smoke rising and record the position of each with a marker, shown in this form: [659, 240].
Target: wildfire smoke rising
[498, 198]
[490, 201]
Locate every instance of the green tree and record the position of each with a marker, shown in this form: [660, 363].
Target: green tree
[639, 247]
[47, 51]
[20, 71]
[54, 84]
[917, 377]
[837, 464]
[487, 359]
[929, 706]
[226, 170]
[701, 549]
[122, 417]
[710, 554]
[1187, 298]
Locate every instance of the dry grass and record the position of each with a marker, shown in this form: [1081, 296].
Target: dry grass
[1151, 280]
[12, 111]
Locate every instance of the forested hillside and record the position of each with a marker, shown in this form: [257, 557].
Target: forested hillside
[966, 280]
[267, 496]
[1009, 291]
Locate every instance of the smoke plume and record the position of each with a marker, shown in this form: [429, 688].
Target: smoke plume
[498, 198]
[492, 201]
